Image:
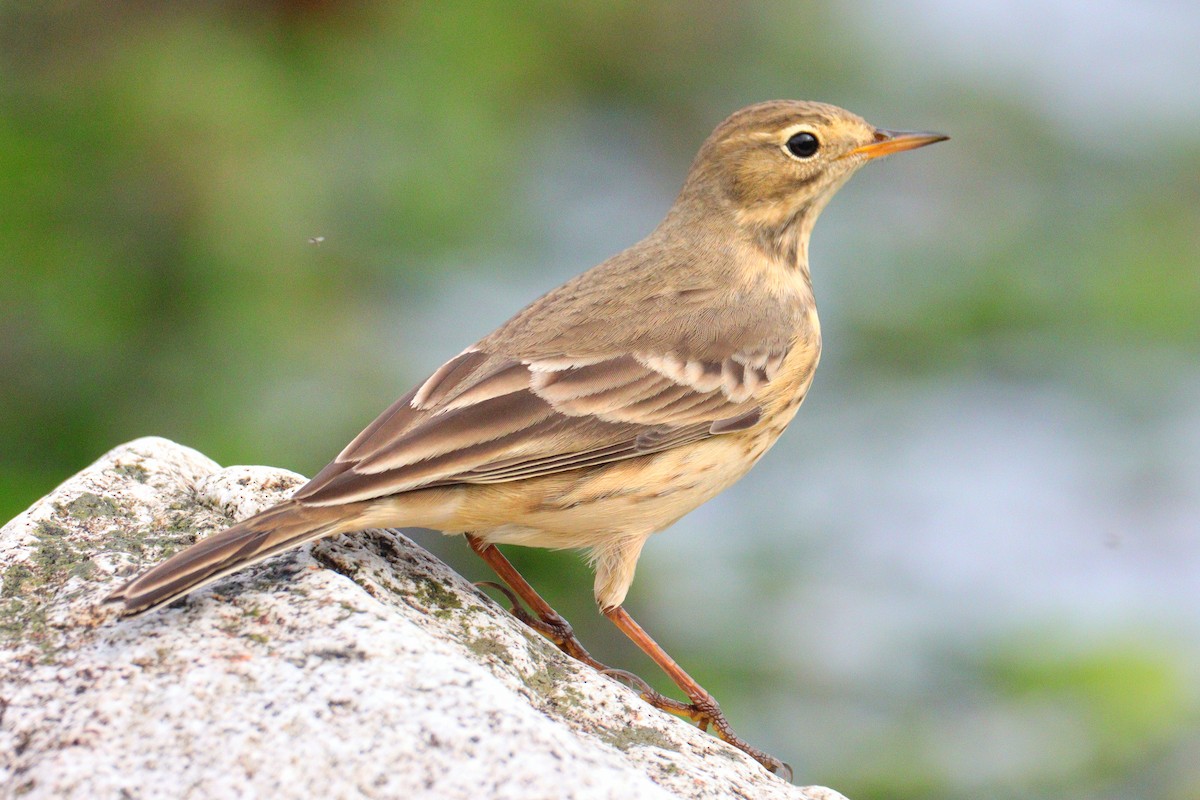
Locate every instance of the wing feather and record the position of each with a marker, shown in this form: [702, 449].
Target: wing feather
[488, 418]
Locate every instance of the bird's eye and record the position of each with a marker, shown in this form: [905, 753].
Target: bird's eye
[803, 145]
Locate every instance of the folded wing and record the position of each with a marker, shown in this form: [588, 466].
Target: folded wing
[487, 418]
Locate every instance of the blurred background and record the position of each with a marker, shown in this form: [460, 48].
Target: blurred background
[970, 568]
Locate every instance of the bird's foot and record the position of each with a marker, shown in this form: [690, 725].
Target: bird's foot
[706, 713]
[550, 624]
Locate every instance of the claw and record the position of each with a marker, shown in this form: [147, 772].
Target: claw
[639, 684]
[549, 624]
[499, 587]
[657, 698]
[517, 610]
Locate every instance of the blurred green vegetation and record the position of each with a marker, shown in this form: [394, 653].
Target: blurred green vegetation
[217, 221]
[164, 168]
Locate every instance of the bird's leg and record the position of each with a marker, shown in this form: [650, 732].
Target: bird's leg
[644, 689]
[703, 709]
[545, 620]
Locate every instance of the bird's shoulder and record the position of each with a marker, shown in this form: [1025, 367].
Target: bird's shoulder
[656, 298]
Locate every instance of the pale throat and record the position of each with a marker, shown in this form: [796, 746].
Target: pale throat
[783, 227]
[800, 226]
[782, 234]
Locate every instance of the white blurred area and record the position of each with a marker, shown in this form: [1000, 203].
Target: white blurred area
[1119, 74]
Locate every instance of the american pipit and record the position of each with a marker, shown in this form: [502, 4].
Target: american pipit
[610, 407]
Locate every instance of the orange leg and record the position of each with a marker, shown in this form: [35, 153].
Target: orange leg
[547, 621]
[703, 708]
[554, 627]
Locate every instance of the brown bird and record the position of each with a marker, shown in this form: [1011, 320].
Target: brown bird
[611, 406]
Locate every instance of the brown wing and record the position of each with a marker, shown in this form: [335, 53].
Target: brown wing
[485, 418]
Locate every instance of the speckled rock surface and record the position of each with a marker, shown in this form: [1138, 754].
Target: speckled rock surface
[357, 667]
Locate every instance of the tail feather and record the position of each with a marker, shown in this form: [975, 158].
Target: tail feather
[275, 530]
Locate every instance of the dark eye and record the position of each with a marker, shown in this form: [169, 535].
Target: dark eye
[803, 145]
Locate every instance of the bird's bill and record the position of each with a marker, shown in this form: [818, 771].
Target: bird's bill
[888, 142]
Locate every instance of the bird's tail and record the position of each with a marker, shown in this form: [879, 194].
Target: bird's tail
[279, 528]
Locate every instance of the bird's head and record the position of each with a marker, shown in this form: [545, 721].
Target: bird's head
[775, 165]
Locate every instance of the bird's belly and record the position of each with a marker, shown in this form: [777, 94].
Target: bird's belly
[637, 496]
[641, 495]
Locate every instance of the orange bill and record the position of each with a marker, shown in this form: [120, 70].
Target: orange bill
[888, 142]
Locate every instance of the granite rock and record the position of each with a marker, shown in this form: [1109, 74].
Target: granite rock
[359, 666]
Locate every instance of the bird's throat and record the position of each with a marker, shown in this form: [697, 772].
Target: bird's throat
[785, 240]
